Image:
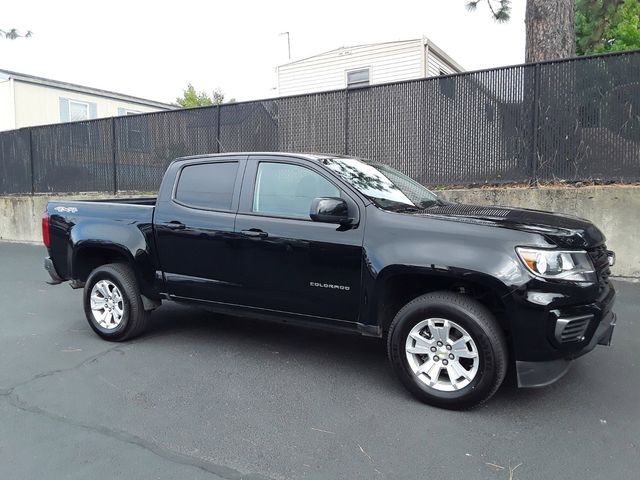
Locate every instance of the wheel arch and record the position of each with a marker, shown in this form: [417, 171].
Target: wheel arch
[397, 285]
[88, 255]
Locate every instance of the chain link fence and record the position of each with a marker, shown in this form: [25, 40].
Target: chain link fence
[575, 120]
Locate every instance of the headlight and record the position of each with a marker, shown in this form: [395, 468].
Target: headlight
[572, 265]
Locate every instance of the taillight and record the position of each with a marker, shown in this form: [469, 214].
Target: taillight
[45, 230]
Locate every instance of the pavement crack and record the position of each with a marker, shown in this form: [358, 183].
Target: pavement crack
[220, 471]
[8, 391]
[175, 457]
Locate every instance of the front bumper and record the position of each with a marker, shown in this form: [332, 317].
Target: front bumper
[51, 270]
[540, 374]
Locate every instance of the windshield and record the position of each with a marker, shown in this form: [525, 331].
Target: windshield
[385, 186]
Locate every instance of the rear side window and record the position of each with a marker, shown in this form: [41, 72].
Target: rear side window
[288, 190]
[207, 185]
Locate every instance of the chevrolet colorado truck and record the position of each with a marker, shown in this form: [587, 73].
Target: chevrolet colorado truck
[459, 292]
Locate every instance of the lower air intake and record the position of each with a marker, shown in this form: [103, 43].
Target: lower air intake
[572, 329]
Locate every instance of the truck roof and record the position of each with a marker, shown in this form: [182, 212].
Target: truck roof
[308, 156]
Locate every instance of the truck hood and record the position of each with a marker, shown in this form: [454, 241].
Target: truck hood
[562, 230]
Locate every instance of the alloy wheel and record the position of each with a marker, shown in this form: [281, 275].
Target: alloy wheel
[107, 304]
[442, 354]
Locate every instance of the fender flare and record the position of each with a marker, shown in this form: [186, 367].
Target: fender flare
[447, 275]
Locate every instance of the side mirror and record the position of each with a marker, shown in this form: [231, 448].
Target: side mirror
[330, 210]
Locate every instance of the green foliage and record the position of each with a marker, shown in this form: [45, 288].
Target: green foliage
[12, 34]
[500, 9]
[607, 26]
[601, 25]
[191, 99]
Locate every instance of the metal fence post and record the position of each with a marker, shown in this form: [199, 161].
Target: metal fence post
[218, 108]
[346, 121]
[33, 181]
[114, 156]
[534, 136]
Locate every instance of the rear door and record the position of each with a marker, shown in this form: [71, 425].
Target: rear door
[195, 228]
[290, 263]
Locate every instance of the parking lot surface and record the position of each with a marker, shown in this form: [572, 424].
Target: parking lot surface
[206, 396]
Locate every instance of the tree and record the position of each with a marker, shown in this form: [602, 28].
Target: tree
[549, 24]
[607, 26]
[191, 99]
[500, 9]
[12, 34]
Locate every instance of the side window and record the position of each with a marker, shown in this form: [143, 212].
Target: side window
[207, 185]
[287, 190]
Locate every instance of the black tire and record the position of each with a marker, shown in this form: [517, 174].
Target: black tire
[134, 319]
[479, 323]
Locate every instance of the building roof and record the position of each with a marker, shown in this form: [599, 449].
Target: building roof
[432, 46]
[22, 77]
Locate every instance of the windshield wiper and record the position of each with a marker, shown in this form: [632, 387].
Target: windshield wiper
[406, 208]
[431, 203]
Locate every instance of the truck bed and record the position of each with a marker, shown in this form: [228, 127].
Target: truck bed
[120, 224]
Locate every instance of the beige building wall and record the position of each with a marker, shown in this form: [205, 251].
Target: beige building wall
[40, 104]
[7, 115]
[387, 62]
[437, 66]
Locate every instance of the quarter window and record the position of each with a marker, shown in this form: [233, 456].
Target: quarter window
[287, 190]
[207, 185]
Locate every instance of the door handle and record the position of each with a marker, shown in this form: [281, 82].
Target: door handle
[175, 225]
[254, 232]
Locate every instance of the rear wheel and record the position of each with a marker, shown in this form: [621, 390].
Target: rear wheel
[112, 303]
[448, 350]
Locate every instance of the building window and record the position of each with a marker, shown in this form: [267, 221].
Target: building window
[78, 111]
[358, 78]
[128, 111]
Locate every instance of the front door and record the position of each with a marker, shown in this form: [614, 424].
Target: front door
[290, 263]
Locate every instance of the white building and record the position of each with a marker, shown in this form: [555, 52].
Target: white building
[26, 101]
[362, 65]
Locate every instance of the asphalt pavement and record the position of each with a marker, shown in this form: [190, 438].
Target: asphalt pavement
[203, 396]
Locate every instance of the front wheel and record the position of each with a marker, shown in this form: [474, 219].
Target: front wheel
[112, 303]
[448, 350]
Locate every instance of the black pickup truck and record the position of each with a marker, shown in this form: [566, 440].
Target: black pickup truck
[458, 292]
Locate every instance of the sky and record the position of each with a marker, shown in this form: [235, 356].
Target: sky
[153, 49]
